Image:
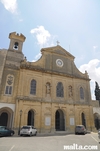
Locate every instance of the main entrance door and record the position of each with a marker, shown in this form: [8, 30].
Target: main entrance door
[59, 121]
[30, 120]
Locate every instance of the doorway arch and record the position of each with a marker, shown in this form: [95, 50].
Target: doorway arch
[30, 120]
[59, 120]
[83, 119]
[6, 117]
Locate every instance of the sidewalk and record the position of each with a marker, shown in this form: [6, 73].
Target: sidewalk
[59, 133]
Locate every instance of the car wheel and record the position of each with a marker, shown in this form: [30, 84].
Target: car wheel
[84, 133]
[35, 133]
[20, 134]
[31, 134]
[11, 134]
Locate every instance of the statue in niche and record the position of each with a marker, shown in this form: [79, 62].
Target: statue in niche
[97, 92]
[48, 88]
[70, 91]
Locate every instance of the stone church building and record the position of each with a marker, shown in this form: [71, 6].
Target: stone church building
[51, 94]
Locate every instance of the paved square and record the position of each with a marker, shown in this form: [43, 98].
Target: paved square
[47, 143]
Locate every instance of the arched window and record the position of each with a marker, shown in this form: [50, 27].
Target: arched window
[9, 84]
[81, 93]
[33, 87]
[59, 90]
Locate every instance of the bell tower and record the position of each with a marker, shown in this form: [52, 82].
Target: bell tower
[14, 53]
[16, 41]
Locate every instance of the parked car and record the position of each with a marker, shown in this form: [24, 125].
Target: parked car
[99, 133]
[28, 130]
[80, 129]
[4, 131]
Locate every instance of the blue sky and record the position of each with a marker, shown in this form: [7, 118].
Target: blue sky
[74, 23]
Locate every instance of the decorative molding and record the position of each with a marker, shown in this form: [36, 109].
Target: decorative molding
[37, 99]
[28, 66]
[12, 50]
[28, 98]
[12, 66]
[14, 59]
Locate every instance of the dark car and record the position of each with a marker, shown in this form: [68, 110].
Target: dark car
[80, 129]
[4, 131]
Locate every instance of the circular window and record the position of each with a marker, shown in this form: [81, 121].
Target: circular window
[59, 62]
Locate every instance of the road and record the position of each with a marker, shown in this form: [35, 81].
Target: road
[48, 143]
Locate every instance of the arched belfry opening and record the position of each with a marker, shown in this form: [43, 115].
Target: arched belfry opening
[30, 120]
[59, 120]
[83, 119]
[16, 46]
[3, 119]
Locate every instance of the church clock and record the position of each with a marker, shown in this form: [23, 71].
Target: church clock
[59, 62]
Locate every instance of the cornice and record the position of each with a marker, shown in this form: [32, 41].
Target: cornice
[14, 59]
[39, 69]
[37, 99]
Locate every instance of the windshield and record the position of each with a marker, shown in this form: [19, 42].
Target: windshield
[79, 127]
[25, 127]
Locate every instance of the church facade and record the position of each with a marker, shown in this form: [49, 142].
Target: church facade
[51, 94]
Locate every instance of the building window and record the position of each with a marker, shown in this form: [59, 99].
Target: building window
[9, 84]
[59, 90]
[8, 90]
[33, 87]
[81, 93]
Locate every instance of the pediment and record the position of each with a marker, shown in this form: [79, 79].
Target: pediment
[57, 50]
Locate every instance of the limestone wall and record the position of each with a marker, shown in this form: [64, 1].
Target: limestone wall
[95, 103]
[3, 54]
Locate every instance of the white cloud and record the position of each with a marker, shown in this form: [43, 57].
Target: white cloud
[95, 47]
[80, 58]
[37, 57]
[93, 69]
[10, 5]
[44, 38]
[20, 20]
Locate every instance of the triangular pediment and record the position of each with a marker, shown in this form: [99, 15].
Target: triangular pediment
[57, 50]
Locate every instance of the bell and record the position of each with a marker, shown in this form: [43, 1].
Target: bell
[16, 45]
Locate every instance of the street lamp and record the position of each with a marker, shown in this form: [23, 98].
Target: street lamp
[20, 122]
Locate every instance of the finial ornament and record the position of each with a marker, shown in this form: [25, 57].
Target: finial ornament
[58, 42]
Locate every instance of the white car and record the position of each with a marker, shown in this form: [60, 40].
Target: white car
[80, 129]
[28, 130]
